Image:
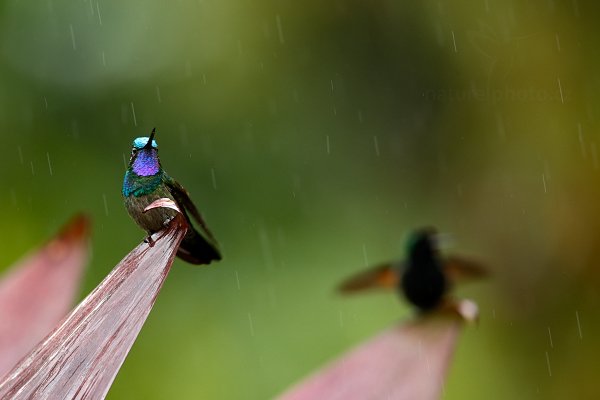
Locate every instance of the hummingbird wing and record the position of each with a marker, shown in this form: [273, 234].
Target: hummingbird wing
[182, 198]
[459, 269]
[385, 276]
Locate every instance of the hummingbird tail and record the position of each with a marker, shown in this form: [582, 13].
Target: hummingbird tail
[197, 250]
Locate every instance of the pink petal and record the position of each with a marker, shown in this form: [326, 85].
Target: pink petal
[408, 361]
[81, 358]
[40, 290]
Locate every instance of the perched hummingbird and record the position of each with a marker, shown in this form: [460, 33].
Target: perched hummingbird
[145, 181]
[424, 278]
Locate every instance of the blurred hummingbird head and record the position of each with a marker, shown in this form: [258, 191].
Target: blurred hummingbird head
[423, 243]
[144, 159]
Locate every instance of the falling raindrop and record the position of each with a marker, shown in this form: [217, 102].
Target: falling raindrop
[49, 163]
[500, 126]
[237, 280]
[454, 42]
[105, 204]
[578, 324]
[365, 256]
[251, 324]
[133, 113]
[581, 142]
[158, 95]
[562, 100]
[73, 37]
[279, 29]
[99, 15]
[544, 182]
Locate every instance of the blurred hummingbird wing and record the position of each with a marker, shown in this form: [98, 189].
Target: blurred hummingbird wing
[381, 276]
[459, 269]
[182, 197]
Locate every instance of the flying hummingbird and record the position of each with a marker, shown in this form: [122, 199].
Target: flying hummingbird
[424, 278]
[145, 181]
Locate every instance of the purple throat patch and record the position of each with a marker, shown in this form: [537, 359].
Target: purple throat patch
[146, 163]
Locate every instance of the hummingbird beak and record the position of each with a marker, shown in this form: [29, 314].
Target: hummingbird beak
[150, 139]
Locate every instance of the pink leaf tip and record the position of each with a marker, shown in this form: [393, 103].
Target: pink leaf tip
[39, 291]
[408, 361]
[82, 356]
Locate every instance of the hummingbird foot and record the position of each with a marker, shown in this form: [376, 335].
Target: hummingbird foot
[149, 240]
[168, 221]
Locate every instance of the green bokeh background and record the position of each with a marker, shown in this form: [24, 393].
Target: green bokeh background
[315, 136]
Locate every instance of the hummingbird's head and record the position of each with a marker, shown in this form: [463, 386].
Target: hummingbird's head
[144, 159]
[423, 244]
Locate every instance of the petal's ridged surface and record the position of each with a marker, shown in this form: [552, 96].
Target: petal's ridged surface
[406, 362]
[39, 291]
[81, 358]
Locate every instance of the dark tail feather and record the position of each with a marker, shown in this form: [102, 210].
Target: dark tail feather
[197, 250]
